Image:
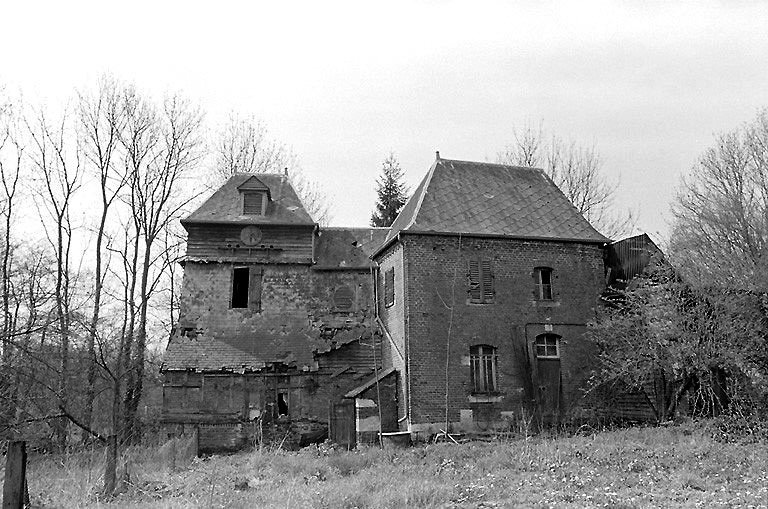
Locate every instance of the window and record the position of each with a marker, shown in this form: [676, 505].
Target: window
[543, 283]
[480, 281]
[343, 298]
[253, 203]
[240, 281]
[389, 287]
[246, 287]
[548, 346]
[482, 363]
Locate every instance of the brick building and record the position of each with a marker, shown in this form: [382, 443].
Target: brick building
[482, 289]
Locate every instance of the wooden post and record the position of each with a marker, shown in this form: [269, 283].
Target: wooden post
[14, 489]
[110, 466]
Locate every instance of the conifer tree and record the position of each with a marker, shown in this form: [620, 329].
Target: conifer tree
[391, 191]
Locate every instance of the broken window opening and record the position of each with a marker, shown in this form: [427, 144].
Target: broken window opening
[482, 362]
[544, 283]
[548, 346]
[282, 403]
[240, 282]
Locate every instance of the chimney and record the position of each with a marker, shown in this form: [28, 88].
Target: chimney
[286, 171]
[437, 154]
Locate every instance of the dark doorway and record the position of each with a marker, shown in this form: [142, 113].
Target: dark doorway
[282, 403]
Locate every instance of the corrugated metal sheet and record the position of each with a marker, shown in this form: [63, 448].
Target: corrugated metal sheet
[628, 258]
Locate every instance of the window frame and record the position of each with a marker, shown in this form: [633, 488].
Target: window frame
[543, 288]
[481, 281]
[389, 287]
[546, 345]
[483, 358]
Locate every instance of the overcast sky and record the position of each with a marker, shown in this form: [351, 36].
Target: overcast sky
[345, 83]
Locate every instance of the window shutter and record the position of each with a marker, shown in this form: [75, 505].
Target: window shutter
[475, 291]
[254, 292]
[486, 280]
[252, 203]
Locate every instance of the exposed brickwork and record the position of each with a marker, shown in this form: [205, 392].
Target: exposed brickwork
[437, 280]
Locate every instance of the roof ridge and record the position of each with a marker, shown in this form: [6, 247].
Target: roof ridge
[355, 228]
[502, 165]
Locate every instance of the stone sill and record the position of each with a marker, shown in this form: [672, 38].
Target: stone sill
[485, 398]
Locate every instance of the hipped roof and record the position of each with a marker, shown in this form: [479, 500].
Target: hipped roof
[225, 205]
[492, 199]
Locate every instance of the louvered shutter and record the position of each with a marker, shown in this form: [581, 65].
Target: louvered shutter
[486, 279]
[475, 290]
[252, 203]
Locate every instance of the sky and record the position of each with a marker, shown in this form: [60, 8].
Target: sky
[343, 84]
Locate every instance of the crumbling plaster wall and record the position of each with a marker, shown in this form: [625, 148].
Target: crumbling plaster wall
[296, 317]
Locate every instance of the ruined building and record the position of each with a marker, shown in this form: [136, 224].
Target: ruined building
[470, 309]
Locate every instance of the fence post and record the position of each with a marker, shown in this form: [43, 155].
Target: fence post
[14, 488]
[110, 466]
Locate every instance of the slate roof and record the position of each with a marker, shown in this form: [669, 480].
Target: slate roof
[253, 352]
[492, 199]
[339, 248]
[225, 205]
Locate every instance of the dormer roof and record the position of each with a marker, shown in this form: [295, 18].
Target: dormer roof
[225, 205]
[254, 184]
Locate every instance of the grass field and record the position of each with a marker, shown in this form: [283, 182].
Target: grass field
[694, 465]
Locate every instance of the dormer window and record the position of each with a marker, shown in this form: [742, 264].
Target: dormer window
[255, 196]
[254, 203]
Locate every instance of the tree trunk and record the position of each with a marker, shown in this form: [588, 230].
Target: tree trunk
[90, 390]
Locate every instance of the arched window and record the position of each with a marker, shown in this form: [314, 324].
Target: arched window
[482, 362]
[548, 346]
[343, 298]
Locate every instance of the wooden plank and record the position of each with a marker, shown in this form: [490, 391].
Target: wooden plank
[15, 475]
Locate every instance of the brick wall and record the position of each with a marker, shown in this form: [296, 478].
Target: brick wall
[394, 317]
[437, 280]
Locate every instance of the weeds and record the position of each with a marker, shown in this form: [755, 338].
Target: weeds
[680, 466]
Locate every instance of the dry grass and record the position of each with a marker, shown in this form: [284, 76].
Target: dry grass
[638, 467]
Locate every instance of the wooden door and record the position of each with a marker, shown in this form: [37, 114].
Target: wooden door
[342, 423]
[549, 386]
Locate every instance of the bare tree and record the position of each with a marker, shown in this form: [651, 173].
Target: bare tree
[243, 145]
[101, 119]
[576, 170]
[720, 230]
[10, 170]
[162, 149]
[11, 153]
[59, 177]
